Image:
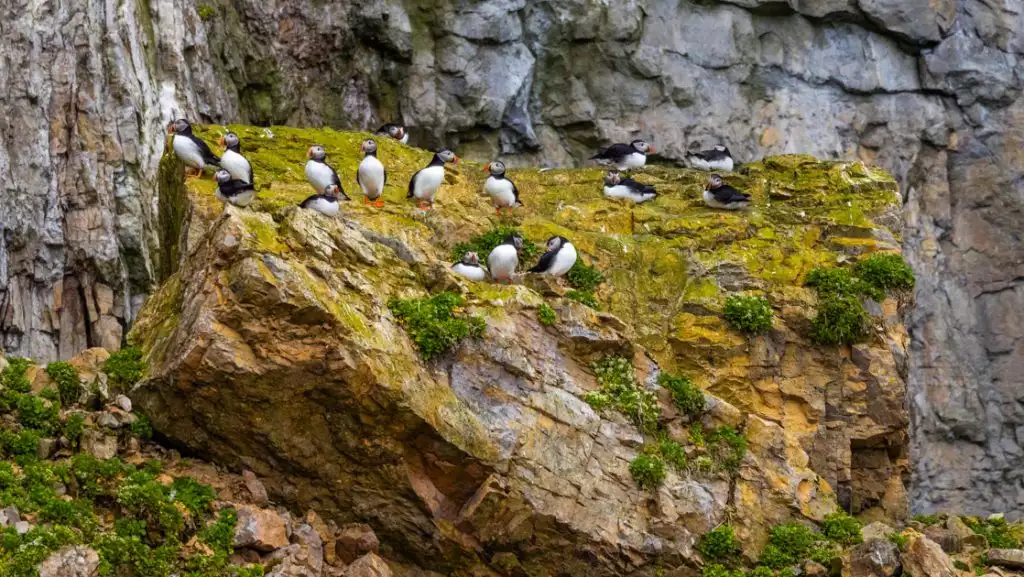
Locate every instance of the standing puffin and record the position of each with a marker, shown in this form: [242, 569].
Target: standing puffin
[325, 203]
[503, 192]
[424, 184]
[718, 158]
[395, 131]
[469, 267]
[233, 190]
[624, 156]
[232, 159]
[371, 176]
[559, 258]
[504, 258]
[319, 173]
[717, 194]
[191, 149]
[617, 187]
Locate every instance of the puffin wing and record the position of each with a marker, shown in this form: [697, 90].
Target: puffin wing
[234, 187]
[208, 156]
[385, 171]
[311, 200]
[515, 193]
[614, 151]
[546, 260]
[727, 194]
[412, 183]
[337, 182]
[638, 186]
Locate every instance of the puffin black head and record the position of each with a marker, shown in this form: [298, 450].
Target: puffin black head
[397, 132]
[556, 242]
[222, 176]
[317, 152]
[715, 182]
[447, 156]
[612, 178]
[369, 147]
[724, 149]
[230, 141]
[514, 240]
[641, 146]
[471, 259]
[179, 126]
[496, 168]
[331, 191]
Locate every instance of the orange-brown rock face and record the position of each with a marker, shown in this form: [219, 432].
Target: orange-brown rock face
[272, 348]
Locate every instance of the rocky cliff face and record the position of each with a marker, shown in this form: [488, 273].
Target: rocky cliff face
[272, 347]
[927, 89]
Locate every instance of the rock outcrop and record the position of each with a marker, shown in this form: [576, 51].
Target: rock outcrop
[272, 348]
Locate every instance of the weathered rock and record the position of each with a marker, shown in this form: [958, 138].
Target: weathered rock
[814, 569]
[260, 529]
[964, 534]
[47, 446]
[876, 530]
[123, 403]
[925, 557]
[256, 489]
[108, 420]
[1009, 558]
[873, 558]
[368, 565]
[79, 561]
[98, 444]
[304, 558]
[9, 516]
[22, 527]
[354, 541]
[326, 534]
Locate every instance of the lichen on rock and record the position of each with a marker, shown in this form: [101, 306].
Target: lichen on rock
[272, 349]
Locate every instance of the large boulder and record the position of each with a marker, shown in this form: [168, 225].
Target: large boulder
[79, 561]
[925, 557]
[873, 558]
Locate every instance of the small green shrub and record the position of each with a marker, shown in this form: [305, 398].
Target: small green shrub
[761, 571]
[68, 383]
[648, 471]
[834, 281]
[960, 565]
[885, 272]
[38, 413]
[583, 277]
[716, 570]
[546, 315]
[621, 391]
[720, 545]
[899, 540]
[841, 528]
[433, 325]
[206, 11]
[697, 434]
[584, 297]
[927, 520]
[485, 243]
[788, 544]
[728, 447]
[748, 314]
[999, 533]
[841, 320]
[142, 428]
[673, 453]
[688, 398]
[125, 368]
[74, 426]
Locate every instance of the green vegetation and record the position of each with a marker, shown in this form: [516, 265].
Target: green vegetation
[68, 383]
[727, 447]
[688, 398]
[38, 413]
[673, 453]
[885, 273]
[648, 471]
[621, 391]
[546, 315]
[206, 11]
[73, 428]
[585, 298]
[483, 244]
[999, 533]
[432, 322]
[716, 570]
[960, 565]
[840, 527]
[142, 428]
[841, 320]
[584, 279]
[899, 540]
[125, 368]
[927, 520]
[720, 546]
[748, 314]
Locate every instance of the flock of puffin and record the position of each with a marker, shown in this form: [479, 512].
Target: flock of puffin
[235, 186]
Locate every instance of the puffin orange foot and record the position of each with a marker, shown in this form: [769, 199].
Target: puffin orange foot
[379, 203]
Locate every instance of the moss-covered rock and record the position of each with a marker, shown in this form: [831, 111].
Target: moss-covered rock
[272, 347]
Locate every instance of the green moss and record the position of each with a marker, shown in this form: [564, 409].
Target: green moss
[899, 540]
[141, 427]
[688, 398]
[927, 520]
[546, 315]
[206, 11]
[788, 544]
[432, 323]
[586, 298]
[717, 570]
[673, 454]
[74, 426]
[749, 314]
[620, 391]
[648, 471]
[720, 546]
[38, 413]
[885, 272]
[727, 447]
[484, 243]
[841, 528]
[68, 383]
[841, 320]
[124, 368]
[999, 533]
[583, 277]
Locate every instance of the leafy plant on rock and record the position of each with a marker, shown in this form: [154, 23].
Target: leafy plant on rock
[124, 368]
[583, 297]
[584, 277]
[68, 383]
[748, 314]
[842, 528]
[433, 323]
[619, 390]
[546, 315]
[720, 546]
[688, 398]
[483, 244]
[648, 471]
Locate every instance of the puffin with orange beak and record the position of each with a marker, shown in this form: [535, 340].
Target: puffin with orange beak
[232, 159]
[625, 156]
[191, 149]
[503, 192]
[371, 176]
[424, 184]
[395, 131]
[320, 174]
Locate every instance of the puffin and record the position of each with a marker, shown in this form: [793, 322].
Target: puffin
[424, 184]
[503, 192]
[559, 258]
[617, 187]
[319, 173]
[469, 267]
[504, 258]
[326, 203]
[395, 131]
[231, 190]
[191, 149]
[624, 156]
[718, 158]
[232, 159]
[717, 194]
[371, 176]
